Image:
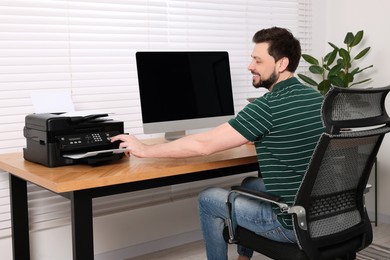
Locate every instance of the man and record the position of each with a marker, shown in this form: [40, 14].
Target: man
[284, 125]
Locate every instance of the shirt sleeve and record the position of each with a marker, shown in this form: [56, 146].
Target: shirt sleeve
[254, 121]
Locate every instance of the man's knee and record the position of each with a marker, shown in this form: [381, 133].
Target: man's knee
[248, 181]
[211, 193]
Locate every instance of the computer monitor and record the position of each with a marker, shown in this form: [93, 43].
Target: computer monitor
[181, 91]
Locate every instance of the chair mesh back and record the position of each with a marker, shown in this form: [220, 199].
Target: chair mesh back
[350, 106]
[333, 198]
[332, 190]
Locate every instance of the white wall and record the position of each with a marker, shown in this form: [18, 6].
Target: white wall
[117, 235]
[372, 17]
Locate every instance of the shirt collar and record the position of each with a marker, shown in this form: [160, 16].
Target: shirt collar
[285, 83]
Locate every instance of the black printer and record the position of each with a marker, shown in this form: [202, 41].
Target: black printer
[56, 139]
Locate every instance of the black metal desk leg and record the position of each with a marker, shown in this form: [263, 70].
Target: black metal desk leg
[19, 218]
[82, 225]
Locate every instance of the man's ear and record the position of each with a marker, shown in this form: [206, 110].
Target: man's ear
[283, 64]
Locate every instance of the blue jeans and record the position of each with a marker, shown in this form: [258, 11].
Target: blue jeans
[249, 213]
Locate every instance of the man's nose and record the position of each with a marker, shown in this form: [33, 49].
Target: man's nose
[250, 66]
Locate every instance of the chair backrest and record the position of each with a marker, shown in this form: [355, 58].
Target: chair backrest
[332, 190]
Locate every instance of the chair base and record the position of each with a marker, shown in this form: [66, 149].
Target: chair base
[286, 251]
[270, 248]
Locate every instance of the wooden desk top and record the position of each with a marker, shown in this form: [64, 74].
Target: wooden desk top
[79, 177]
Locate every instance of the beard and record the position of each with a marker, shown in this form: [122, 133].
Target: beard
[266, 83]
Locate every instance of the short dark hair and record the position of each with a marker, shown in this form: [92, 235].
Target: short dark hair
[282, 43]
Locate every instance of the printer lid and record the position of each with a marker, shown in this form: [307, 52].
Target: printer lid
[58, 121]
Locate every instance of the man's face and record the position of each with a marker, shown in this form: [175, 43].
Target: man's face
[262, 67]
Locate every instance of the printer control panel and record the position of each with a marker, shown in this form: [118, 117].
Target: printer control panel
[84, 140]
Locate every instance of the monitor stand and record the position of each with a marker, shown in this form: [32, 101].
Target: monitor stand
[174, 135]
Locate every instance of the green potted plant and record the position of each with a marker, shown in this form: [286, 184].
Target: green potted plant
[337, 67]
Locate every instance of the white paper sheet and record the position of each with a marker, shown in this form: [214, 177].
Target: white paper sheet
[93, 153]
[52, 101]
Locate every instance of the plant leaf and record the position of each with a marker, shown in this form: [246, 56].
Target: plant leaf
[360, 82]
[324, 86]
[310, 59]
[307, 80]
[332, 57]
[348, 39]
[355, 71]
[344, 54]
[348, 78]
[362, 53]
[333, 46]
[365, 68]
[315, 69]
[335, 70]
[326, 57]
[337, 81]
[357, 39]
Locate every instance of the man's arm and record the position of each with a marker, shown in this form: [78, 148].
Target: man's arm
[218, 139]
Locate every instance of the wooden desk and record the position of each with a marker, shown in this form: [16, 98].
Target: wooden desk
[82, 183]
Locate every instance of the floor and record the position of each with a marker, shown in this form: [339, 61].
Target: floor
[192, 251]
[195, 250]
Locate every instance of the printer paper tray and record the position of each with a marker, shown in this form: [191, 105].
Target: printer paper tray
[93, 153]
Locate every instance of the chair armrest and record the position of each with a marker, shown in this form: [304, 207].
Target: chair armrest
[260, 195]
[264, 196]
[299, 211]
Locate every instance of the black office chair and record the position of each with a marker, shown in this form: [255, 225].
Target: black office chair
[329, 216]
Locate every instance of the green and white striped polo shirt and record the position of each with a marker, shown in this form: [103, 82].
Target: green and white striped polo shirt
[285, 125]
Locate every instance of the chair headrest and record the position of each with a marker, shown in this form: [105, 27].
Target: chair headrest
[354, 107]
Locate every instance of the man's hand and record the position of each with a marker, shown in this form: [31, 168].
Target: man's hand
[130, 143]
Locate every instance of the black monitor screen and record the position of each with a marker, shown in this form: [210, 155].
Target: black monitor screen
[184, 85]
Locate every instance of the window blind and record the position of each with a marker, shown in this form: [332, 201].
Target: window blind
[88, 48]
